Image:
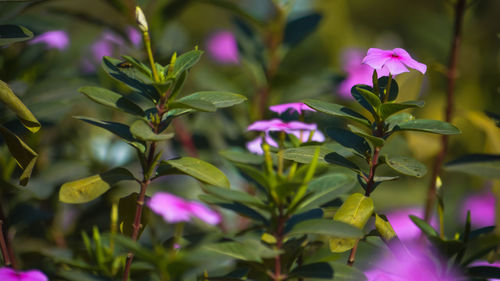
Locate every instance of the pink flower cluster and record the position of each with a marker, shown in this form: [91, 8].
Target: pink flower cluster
[54, 39]
[174, 209]
[9, 274]
[223, 48]
[300, 130]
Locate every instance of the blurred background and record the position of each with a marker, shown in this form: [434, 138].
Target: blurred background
[252, 49]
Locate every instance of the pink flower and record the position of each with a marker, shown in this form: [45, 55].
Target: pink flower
[482, 209]
[411, 262]
[357, 72]
[299, 129]
[395, 60]
[222, 47]
[296, 106]
[9, 274]
[174, 209]
[403, 226]
[55, 39]
[134, 36]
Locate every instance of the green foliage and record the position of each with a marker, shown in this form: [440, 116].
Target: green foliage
[13, 33]
[196, 168]
[11, 101]
[482, 165]
[383, 226]
[112, 99]
[428, 126]
[405, 165]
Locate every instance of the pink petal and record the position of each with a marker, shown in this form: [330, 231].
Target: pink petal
[297, 107]
[409, 61]
[55, 39]
[303, 135]
[376, 58]
[9, 274]
[270, 140]
[395, 66]
[264, 125]
[404, 226]
[203, 213]
[296, 125]
[223, 48]
[255, 146]
[482, 209]
[134, 36]
[173, 209]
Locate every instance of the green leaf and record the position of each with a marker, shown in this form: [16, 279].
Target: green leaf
[482, 165]
[355, 211]
[424, 226]
[142, 131]
[24, 155]
[393, 93]
[375, 141]
[139, 65]
[337, 110]
[486, 272]
[217, 98]
[248, 250]
[186, 61]
[320, 270]
[112, 99]
[304, 216]
[340, 160]
[305, 154]
[121, 130]
[243, 157]
[88, 189]
[396, 120]
[11, 101]
[326, 227]
[199, 105]
[388, 109]
[405, 165]
[364, 95]
[298, 29]
[384, 228]
[429, 126]
[126, 214]
[196, 168]
[136, 248]
[257, 175]
[350, 140]
[235, 196]
[132, 77]
[13, 33]
[325, 189]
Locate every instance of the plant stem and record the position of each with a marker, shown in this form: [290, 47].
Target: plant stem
[450, 100]
[7, 253]
[147, 44]
[279, 243]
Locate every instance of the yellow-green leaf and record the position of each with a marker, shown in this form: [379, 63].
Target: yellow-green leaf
[384, 228]
[10, 100]
[24, 155]
[196, 168]
[88, 189]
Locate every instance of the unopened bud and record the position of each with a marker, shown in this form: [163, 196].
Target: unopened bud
[141, 19]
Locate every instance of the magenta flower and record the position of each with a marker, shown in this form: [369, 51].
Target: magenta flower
[299, 129]
[411, 262]
[404, 227]
[134, 36]
[9, 274]
[174, 209]
[394, 60]
[55, 39]
[296, 106]
[482, 209]
[223, 48]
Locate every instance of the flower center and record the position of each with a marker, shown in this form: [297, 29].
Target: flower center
[394, 56]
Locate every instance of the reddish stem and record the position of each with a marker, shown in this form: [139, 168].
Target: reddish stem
[450, 100]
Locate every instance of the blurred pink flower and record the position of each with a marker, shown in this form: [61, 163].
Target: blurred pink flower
[410, 262]
[395, 60]
[9, 274]
[134, 36]
[299, 129]
[174, 209]
[482, 209]
[55, 39]
[223, 48]
[296, 106]
[404, 227]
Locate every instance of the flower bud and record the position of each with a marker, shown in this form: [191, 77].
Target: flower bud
[141, 19]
